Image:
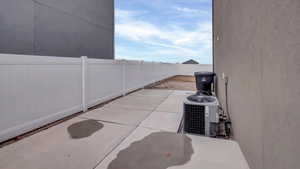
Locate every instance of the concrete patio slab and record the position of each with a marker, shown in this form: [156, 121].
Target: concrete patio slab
[174, 103]
[183, 92]
[153, 149]
[55, 147]
[163, 121]
[88, 142]
[211, 153]
[152, 93]
[119, 115]
[137, 102]
[138, 134]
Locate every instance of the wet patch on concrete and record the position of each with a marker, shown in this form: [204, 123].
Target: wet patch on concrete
[158, 150]
[84, 129]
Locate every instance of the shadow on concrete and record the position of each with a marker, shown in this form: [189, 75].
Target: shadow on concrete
[158, 150]
[84, 129]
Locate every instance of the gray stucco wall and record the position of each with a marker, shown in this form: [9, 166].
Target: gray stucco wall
[257, 45]
[70, 28]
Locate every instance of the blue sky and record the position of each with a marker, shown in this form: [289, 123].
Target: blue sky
[164, 30]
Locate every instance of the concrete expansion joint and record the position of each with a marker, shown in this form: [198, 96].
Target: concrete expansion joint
[111, 122]
[135, 127]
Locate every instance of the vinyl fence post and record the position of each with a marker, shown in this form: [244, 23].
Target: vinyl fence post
[83, 80]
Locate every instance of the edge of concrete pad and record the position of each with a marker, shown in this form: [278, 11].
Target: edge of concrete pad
[10, 152]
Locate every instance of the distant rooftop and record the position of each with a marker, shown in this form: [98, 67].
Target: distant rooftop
[191, 61]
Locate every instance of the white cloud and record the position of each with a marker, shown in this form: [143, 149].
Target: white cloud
[170, 40]
[190, 10]
[128, 26]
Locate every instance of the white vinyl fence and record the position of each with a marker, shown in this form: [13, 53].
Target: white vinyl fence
[190, 69]
[37, 90]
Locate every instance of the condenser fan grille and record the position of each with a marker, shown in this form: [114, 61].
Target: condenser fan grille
[194, 119]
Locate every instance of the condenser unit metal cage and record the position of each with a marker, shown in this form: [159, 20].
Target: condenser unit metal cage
[194, 119]
[201, 118]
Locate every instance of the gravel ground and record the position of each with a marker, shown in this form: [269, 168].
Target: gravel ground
[177, 83]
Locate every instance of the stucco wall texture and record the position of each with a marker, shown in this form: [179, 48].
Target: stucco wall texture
[70, 28]
[257, 45]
